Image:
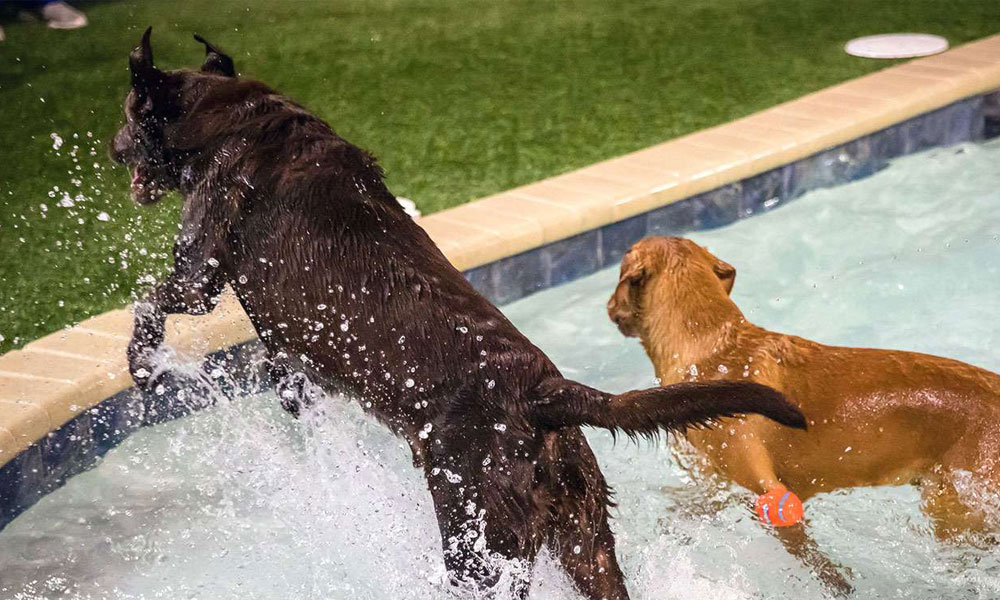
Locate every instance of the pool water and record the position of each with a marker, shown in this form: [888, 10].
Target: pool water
[240, 501]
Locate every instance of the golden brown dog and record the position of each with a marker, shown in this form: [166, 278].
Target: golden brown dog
[876, 417]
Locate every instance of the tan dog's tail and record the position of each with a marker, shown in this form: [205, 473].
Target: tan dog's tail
[648, 413]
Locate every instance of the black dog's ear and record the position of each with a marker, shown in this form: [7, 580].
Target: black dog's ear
[144, 74]
[216, 61]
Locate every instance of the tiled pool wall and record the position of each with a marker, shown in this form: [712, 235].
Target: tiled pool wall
[80, 443]
[512, 278]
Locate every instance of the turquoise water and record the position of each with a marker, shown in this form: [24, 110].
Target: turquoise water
[240, 501]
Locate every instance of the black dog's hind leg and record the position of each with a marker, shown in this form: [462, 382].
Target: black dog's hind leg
[193, 288]
[475, 555]
[582, 540]
[588, 555]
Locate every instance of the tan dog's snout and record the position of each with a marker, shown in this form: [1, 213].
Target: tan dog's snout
[618, 315]
[623, 307]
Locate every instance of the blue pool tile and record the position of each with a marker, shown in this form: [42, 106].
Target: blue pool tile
[926, 131]
[965, 121]
[617, 238]
[991, 115]
[181, 395]
[481, 278]
[709, 210]
[848, 162]
[763, 192]
[673, 219]
[115, 419]
[887, 144]
[32, 482]
[10, 487]
[68, 449]
[573, 257]
[517, 276]
[718, 207]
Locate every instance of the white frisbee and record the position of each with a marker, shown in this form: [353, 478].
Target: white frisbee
[896, 45]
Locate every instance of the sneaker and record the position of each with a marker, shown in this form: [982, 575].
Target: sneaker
[63, 16]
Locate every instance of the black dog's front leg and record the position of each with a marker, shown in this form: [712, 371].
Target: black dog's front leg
[193, 288]
[176, 295]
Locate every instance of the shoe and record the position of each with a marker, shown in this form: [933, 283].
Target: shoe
[63, 16]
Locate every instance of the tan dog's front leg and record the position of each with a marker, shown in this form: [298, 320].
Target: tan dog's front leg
[799, 544]
[742, 455]
[749, 463]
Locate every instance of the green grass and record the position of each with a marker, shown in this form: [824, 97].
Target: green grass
[459, 99]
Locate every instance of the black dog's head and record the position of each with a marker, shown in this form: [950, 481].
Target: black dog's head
[157, 107]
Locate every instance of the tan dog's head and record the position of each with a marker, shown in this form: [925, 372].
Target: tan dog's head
[656, 262]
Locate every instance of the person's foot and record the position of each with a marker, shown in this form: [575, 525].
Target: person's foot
[63, 16]
[3, 36]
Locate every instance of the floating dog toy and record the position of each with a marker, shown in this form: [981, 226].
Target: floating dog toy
[779, 508]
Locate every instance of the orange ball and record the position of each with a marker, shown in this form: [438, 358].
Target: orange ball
[779, 508]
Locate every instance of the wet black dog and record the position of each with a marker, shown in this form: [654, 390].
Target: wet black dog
[346, 290]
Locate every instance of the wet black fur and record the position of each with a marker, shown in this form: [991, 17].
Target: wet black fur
[345, 289]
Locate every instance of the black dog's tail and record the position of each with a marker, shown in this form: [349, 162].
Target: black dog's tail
[673, 408]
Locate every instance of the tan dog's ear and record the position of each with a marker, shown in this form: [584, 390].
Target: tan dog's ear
[726, 274]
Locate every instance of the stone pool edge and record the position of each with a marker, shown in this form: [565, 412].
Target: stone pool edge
[66, 398]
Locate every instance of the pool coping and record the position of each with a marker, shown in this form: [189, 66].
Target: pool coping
[555, 230]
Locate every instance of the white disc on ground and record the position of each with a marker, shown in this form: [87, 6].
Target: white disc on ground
[896, 45]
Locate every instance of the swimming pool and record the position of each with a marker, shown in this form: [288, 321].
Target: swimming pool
[240, 501]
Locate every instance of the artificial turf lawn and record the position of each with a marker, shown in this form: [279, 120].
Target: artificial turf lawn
[459, 99]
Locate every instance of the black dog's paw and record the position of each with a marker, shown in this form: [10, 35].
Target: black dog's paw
[141, 363]
[295, 391]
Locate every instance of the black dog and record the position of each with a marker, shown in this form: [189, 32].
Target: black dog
[346, 290]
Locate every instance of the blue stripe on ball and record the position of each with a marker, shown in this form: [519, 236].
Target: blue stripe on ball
[781, 506]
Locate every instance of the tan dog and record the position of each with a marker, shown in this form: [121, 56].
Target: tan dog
[875, 417]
